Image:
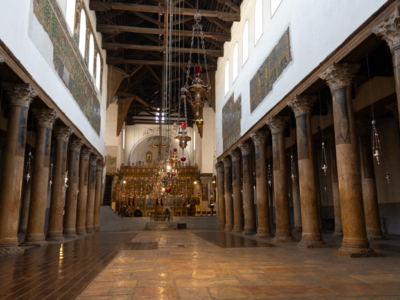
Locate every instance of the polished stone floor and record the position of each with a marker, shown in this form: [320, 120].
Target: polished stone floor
[196, 264]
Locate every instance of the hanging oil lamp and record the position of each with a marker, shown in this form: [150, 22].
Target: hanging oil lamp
[28, 176]
[324, 164]
[51, 175]
[376, 145]
[293, 168]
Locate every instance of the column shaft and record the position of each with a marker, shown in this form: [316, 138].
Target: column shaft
[228, 193]
[220, 195]
[99, 188]
[237, 194]
[296, 203]
[26, 200]
[91, 195]
[83, 192]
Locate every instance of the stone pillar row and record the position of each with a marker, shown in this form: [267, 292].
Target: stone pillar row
[83, 217]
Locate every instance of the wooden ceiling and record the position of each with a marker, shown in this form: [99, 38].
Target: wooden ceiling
[134, 34]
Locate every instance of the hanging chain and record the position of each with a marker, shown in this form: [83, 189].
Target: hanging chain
[204, 53]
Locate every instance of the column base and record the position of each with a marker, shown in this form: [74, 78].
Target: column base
[297, 229]
[264, 235]
[70, 235]
[221, 227]
[35, 242]
[357, 252]
[337, 233]
[81, 231]
[97, 229]
[228, 228]
[283, 238]
[54, 237]
[377, 237]
[10, 248]
[249, 232]
[237, 229]
[312, 243]
[89, 230]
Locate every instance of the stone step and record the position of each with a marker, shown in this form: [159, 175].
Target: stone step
[162, 225]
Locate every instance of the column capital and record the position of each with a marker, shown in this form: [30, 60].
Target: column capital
[363, 128]
[389, 29]
[2, 58]
[20, 94]
[220, 167]
[302, 104]
[339, 75]
[100, 165]
[93, 160]
[76, 144]
[62, 133]
[235, 155]
[227, 162]
[45, 116]
[277, 124]
[259, 137]
[245, 147]
[85, 153]
[393, 108]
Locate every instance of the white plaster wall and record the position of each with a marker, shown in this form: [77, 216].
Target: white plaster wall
[14, 32]
[208, 141]
[317, 28]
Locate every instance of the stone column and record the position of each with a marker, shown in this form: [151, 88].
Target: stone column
[228, 193]
[283, 232]
[248, 192]
[311, 237]
[355, 242]
[369, 192]
[40, 180]
[13, 169]
[99, 188]
[55, 231]
[83, 192]
[72, 192]
[26, 200]
[237, 193]
[264, 228]
[389, 30]
[335, 187]
[220, 195]
[296, 199]
[91, 194]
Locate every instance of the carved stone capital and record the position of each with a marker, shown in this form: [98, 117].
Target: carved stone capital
[85, 153]
[76, 145]
[220, 167]
[20, 94]
[389, 29]
[100, 165]
[227, 162]
[302, 104]
[2, 58]
[235, 155]
[339, 75]
[277, 124]
[259, 137]
[62, 133]
[393, 108]
[363, 127]
[93, 160]
[45, 117]
[245, 148]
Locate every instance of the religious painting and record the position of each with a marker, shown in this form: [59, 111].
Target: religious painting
[111, 165]
[140, 202]
[273, 66]
[178, 201]
[149, 201]
[168, 200]
[67, 60]
[204, 196]
[149, 157]
[231, 116]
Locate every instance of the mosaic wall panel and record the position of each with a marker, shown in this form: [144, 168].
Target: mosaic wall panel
[67, 60]
[277, 61]
[231, 116]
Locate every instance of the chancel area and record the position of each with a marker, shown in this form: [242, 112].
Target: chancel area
[199, 149]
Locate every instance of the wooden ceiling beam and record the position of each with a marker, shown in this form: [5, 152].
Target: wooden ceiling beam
[121, 61]
[154, 74]
[118, 46]
[111, 29]
[148, 18]
[230, 4]
[105, 6]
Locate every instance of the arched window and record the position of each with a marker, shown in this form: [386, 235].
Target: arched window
[258, 21]
[91, 54]
[226, 77]
[82, 33]
[246, 41]
[235, 61]
[98, 71]
[70, 14]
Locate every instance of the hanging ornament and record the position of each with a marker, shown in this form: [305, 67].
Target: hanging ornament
[66, 179]
[51, 175]
[183, 159]
[324, 164]
[168, 189]
[269, 175]
[28, 176]
[199, 123]
[376, 145]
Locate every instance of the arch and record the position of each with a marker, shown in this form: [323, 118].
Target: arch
[70, 15]
[226, 77]
[258, 21]
[245, 41]
[82, 34]
[98, 71]
[235, 62]
[91, 55]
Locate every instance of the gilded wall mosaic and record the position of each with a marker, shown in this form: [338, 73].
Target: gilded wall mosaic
[231, 116]
[273, 66]
[67, 60]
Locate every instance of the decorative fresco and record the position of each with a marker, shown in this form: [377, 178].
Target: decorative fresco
[111, 165]
[277, 61]
[231, 116]
[67, 60]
